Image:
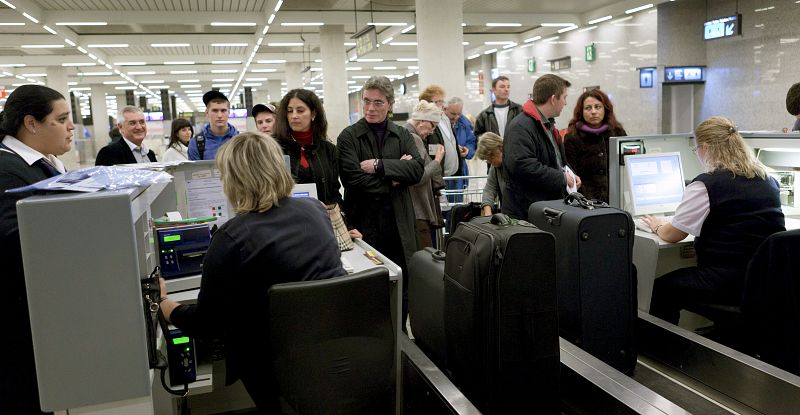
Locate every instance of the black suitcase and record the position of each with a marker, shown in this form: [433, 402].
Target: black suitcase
[596, 277]
[501, 321]
[426, 303]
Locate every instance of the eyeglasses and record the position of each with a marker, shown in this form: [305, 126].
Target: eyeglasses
[376, 103]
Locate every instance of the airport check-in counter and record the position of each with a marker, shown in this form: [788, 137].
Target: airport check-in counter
[85, 255]
[654, 257]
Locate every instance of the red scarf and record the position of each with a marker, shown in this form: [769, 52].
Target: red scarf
[530, 108]
[304, 138]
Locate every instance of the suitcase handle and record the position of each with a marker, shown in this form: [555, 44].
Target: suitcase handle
[553, 216]
[436, 254]
[578, 200]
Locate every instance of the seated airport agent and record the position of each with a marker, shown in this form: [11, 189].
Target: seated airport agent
[131, 148]
[216, 131]
[730, 209]
[248, 254]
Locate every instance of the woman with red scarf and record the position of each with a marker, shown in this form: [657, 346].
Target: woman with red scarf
[586, 142]
[302, 131]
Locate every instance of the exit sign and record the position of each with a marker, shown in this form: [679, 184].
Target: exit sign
[531, 65]
[590, 53]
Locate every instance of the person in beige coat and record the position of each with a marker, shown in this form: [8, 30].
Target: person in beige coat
[423, 121]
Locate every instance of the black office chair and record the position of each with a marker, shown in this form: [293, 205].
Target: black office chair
[333, 344]
[771, 302]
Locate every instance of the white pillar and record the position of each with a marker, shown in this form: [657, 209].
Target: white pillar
[486, 68]
[440, 50]
[274, 91]
[99, 116]
[294, 79]
[334, 78]
[57, 79]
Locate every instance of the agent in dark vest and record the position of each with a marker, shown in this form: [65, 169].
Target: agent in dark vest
[730, 210]
[35, 126]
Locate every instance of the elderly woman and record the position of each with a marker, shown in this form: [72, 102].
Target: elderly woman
[490, 149]
[35, 126]
[273, 238]
[423, 121]
[586, 143]
[730, 210]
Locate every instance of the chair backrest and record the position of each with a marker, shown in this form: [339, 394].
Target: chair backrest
[771, 301]
[333, 343]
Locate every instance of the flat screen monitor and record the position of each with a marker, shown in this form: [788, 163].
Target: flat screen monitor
[654, 183]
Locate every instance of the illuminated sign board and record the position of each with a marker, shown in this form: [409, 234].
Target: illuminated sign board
[366, 40]
[684, 74]
[647, 77]
[723, 27]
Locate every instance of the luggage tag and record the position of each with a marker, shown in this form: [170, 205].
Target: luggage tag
[373, 258]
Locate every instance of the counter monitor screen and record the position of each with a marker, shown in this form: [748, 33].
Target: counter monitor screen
[655, 183]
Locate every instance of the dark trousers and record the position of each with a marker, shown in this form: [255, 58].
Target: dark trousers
[387, 241]
[683, 287]
[19, 392]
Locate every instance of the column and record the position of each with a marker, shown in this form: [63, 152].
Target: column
[486, 68]
[274, 90]
[294, 79]
[334, 78]
[248, 104]
[440, 50]
[99, 117]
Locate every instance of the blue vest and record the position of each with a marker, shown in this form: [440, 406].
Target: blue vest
[743, 213]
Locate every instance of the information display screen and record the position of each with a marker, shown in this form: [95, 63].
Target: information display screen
[723, 27]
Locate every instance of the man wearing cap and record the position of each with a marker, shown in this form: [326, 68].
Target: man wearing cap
[130, 149]
[264, 114]
[217, 130]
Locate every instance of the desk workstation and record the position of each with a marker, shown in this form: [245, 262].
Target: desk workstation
[655, 257]
[89, 324]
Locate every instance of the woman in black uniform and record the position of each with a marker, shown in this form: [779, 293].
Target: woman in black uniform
[35, 126]
[730, 210]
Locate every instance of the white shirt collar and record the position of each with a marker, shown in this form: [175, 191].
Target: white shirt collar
[143, 149]
[30, 155]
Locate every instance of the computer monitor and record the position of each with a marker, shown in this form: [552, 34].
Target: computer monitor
[654, 183]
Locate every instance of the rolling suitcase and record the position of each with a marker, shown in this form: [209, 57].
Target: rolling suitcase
[462, 213]
[597, 307]
[426, 303]
[501, 322]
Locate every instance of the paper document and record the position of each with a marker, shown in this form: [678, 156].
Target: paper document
[574, 187]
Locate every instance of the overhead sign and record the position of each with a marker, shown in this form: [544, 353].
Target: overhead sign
[532, 65]
[560, 63]
[366, 40]
[723, 27]
[684, 74]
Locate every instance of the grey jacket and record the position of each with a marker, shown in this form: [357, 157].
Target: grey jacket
[495, 186]
[487, 122]
[425, 205]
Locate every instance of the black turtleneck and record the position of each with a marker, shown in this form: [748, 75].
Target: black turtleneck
[379, 129]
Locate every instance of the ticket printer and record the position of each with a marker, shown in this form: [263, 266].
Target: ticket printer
[181, 249]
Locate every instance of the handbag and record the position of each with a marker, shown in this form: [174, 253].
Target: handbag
[339, 227]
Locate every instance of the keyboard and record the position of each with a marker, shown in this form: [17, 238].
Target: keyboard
[640, 225]
[347, 266]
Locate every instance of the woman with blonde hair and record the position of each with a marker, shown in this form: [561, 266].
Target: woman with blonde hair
[490, 149]
[273, 238]
[423, 121]
[730, 209]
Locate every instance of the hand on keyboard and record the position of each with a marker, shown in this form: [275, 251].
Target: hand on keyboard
[641, 225]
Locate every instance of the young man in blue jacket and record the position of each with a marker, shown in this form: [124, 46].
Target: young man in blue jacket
[217, 130]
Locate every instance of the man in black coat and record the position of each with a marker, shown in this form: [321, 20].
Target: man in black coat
[130, 149]
[496, 117]
[534, 152]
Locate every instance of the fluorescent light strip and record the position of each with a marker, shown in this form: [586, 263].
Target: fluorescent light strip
[600, 19]
[387, 40]
[191, 86]
[131, 63]
[278, 6]
[498, 43]
[285, 44]
[95, 73]
[509, 46]
[256, 79]
[271, 61]
[222, 80]
[621, 20]
[81, 23]
[263, 70]
[638, 9]
[503, 24]
[567, 29]
[349, 43]
[127, 88]
[188, 81]
[385, 68]
[233, 23]
[303, 24]
[8, 4]
[142, 73]
[52, 32]
[224, 71]
[13, 24]
[386, 24]
[69, 42]
[586, 29]
[549, 39]
[408, 29]
[108, 45]
[232, 45]
[557, 24]
[76, 64]
[271, 19]
[154, 81]
[179, 63]
[11, 65]
[226, 62]
[532, 39]
[403, 44]
[34, 74]
[169, 45]
[31, 18]
[369, 60]
[474, 56]
[182, 72]
[490, 51]
[115, 82]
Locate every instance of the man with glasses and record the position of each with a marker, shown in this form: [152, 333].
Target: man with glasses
[378, 162]
[533, 151]
[264, 114]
